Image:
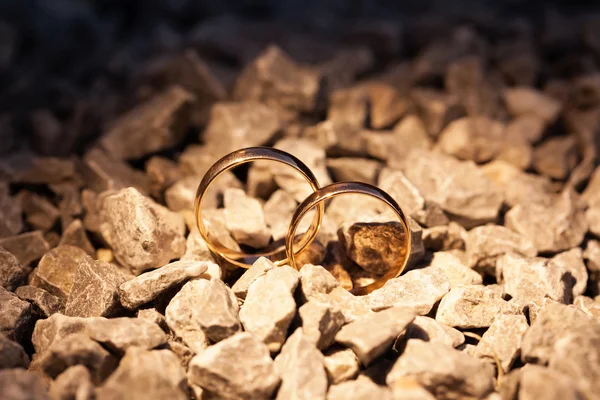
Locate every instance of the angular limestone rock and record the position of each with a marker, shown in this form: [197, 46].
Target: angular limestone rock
[387, 104]
[537, 382]
[369, 342]
[182, 317]
[12, 275]
[473, 201]
[572, 262]
[361, 388]
[238, 367]
[203, 304]
[57, 270]
[376, 247]
[320, 322]
[531, 279]
[102, 172]
[301, 367]
[503, 339]
[528, 101]
[472, 306]
[484, 244]
[419, 289]
[18, 384]
[95, 290]
[354, 169]
[145, 373]
[75, 235]
[12, 354]
[119, 334]
[553, 322]
[442, 370]
[447, 237]
[275, 79]
[269, 306]
[27, 247]
[43, 302]
[148, 286]
[430, 330]
[588, 306]
[245, 219]
[472, 138]
[558, 226]
[556, 157]
[258, 269]
[78, 349]
[15, 315]
[234, 125]
[39, 212]
[74, 383]
[455, 270]
[142, 234]
[155, 125]
[340, 365]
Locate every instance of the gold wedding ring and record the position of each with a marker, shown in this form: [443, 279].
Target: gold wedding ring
[244, 156]
[317, 198]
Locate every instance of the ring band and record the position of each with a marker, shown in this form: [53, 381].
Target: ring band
[317, 198]
[244, 156]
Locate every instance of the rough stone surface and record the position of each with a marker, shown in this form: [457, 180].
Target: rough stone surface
[27, 247]
[245, 219]
[362, 388]
[75, 235]
[530, 279]
[238, 367]
[369, 343]
[15, 315]
[95, 290]
[552, 228]
[446, 237]
[39, 212]
[11, 273]
[572, 262]
[537, 382]
[269, 306]
[340, 365]
[20, 384]
[43, 302]
[419, 289]
[588, 306]
[444, 371]
[320, 322]
[258, 269]
[57, 270]
[503, 339]
[12, 354]
[74, 383]
[472, 138]
[301, 367]
[472, 306]
[145, 374]
[473, 201]
[235, 125]
[203, 304]
[74, 350]
[119, 334]
[148, 286]
[484, 244]
[103, 171]
[142, 234]
[455, 270]
[430, 330]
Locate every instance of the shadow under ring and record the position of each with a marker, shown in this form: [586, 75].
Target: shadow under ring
[317, 199]
[233, 160]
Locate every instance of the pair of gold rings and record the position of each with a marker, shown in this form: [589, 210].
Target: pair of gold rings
[314, 201]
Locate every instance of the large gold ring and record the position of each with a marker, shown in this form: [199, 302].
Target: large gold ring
[317, 198]
[233, 160]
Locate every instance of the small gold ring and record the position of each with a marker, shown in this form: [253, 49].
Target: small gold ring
[321, 195]
[244, 156]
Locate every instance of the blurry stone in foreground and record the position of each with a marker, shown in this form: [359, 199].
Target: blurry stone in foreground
[444, 371]
[236, 368]
[376, 247]
[537, 382]
[15, 315]
[142, 234]
[361, 388]
[341, 365]
[18, 383]
[145, 373]
[74, 383]
[430, 330]
[301, 367]
[460, 188]
[276, 80]
[559, 226]
[12, 354]
[233, 126]
[157, 124]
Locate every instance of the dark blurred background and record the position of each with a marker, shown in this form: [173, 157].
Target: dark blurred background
[68, 67]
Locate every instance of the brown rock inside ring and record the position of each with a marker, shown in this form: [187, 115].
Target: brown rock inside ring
[244, 156]
[317, 198]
